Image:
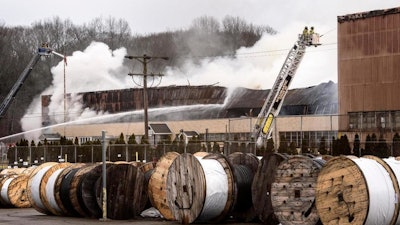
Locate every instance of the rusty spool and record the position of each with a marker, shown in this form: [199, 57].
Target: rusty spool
[261, 187]
[350, 190]
[125, 183]
[158, 185]
[293, 190]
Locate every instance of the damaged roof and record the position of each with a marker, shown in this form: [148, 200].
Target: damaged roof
[368, 14]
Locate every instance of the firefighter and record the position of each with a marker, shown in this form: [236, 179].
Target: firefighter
[305, 33]
[310, 35]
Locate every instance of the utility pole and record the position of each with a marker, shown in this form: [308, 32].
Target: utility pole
[144, 60]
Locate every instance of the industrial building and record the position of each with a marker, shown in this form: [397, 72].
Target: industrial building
[208, 111]
[369, 73]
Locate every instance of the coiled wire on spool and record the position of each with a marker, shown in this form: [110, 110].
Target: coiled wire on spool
[65, 194]
[244, 166]
[4, 190]
[53, 205]
[353, 190]
[243, 179]
[293, 191]
[34, 187]
[381, 192]
[216, 189]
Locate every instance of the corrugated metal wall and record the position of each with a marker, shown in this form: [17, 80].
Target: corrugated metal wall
[369, 62]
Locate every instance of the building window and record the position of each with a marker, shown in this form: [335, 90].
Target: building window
[367, 121]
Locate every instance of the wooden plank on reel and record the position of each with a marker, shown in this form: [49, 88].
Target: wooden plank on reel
[342, 193]
[75, 192]
[261, 187]
[17, 193]
[293, 191]
[158, 185]
[125, 182]
[186, 188]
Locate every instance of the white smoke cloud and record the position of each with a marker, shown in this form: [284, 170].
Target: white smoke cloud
[96, 68]
[257, 67]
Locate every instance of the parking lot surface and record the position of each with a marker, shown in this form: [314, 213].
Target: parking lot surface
[29, 216]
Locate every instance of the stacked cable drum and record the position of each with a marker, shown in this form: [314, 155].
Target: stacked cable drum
[221, 192]
[193, 188]
[244, 166]
[293, 191]
[66, 189]
[34, 187]
[147, 169]
[353, 190]
[158, 185]
[13, 183]
[261, 187]
[125, 183]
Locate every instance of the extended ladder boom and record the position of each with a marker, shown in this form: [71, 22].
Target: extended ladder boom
[42, 51]
[273, 103]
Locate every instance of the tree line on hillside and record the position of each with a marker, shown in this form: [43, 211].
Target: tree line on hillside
[205, 37]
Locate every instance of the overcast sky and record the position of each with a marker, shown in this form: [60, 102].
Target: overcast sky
[147, 16]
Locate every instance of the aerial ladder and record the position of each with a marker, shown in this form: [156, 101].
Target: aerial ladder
[43, 51]
[272, 105]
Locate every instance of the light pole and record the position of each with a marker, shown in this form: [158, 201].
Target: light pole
[144, 60]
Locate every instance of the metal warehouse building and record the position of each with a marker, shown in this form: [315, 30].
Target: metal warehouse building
[369, 73]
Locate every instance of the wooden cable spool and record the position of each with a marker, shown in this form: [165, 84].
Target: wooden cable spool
[12, 171]
[245, 166]
[347, 195]
[201, 154]
[340, 183]
[186, 188]
[125, 182]
[88, 189]
[261, 187]
[232, 192]
[47, 194]
[34, 186]
[158, 185]
[5, 182]
[293, 191]
[147, 169]
[63, 211]
[75, 191]
[17, 193]
[395, 183]
[65, 179]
